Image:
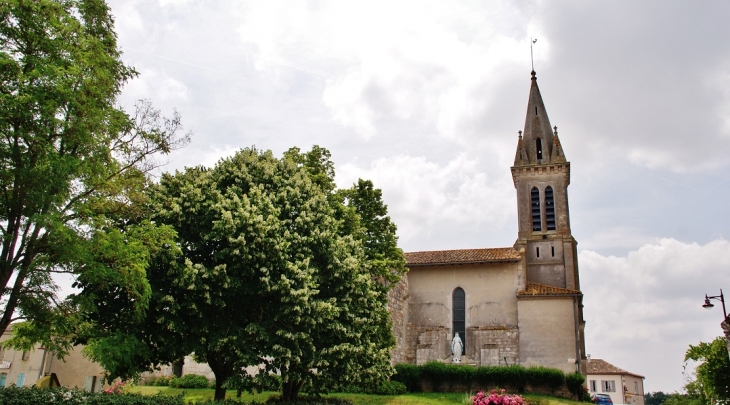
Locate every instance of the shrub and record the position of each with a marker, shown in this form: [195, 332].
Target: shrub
[409, 375]
[575, 381]
[162, 381]
[63, 396]
[547, 377]
[304, 400]
[496, 398]
[389, 388]
[189, 381]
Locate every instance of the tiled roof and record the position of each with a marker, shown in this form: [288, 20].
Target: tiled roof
[462, 256]
[598, 366]
[541, 289]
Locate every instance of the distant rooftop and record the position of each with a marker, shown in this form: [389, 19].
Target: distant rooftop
[599, 366]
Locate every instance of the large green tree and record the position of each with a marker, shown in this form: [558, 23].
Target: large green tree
[274, 271]
[713, 372]
[73, 167]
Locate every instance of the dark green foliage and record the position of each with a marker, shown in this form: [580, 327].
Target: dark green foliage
[62, 396]
[313, 400]
[447, 377]
[74, 167]
[409, 375]
[162, 381]
[254, 384]
[546, 377]
[389, 388]
[713, 372]
[655, 398]
[575, 384]
[189, 381]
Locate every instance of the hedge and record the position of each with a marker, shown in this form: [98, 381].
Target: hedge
[13, 395]
[447, 377]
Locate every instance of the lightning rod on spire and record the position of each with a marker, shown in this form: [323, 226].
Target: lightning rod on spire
[532, 60]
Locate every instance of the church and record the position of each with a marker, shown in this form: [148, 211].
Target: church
[518, 305]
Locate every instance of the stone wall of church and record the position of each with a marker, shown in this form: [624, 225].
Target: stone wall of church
[398, 308]
[548, 332]
[491, 312]
[494, 346]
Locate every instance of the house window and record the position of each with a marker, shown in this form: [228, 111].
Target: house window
[549, 209]
[535, 199]
[26, 356]
[2, 354]
[636, 387]
[608, 386]
[459, 308]
[3, 378]
[594, 386]
[538, 146]
[21, 380]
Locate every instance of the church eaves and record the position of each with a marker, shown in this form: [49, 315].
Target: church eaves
[461, 256]
[538, 144]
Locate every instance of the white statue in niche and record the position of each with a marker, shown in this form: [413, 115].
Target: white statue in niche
[456, 348]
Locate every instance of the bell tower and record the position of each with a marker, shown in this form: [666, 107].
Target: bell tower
[541, 175]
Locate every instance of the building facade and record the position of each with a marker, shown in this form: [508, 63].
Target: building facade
[28, 368]
[622, 386]
[512, 305]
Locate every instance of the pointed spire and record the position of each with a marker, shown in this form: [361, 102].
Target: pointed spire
[558, 156]
[521, 155]
[537, 138]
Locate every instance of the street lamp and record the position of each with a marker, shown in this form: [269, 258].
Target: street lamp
[720, 298]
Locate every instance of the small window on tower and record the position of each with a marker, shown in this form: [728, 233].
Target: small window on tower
[538, 252]
[535, 200]
[538, 146]
[553, 250]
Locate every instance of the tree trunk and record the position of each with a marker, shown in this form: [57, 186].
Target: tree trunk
[223, 369]
[177, 367]
[290, 390]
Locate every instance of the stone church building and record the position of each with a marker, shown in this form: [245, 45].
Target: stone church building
[510, 305]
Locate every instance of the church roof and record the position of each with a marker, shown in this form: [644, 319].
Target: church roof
[599, 366]
[461, 256]
[541, 289]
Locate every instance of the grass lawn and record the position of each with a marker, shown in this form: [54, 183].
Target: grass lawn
[427, 398]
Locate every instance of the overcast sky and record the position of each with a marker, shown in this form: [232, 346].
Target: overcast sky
[425, 98]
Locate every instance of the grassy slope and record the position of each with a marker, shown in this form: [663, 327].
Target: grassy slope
[431, 398]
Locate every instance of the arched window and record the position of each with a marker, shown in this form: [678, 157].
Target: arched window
[459, 308]
[535, 199]
[538, 146]
[549, 209]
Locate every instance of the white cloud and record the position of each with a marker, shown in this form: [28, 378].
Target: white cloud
[644, 309]
[421, 193]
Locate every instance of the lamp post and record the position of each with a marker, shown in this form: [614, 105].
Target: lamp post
[720, 298]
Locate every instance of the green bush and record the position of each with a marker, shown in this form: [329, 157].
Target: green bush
[545, 377]
[304, 400]
[447, 377]
[162, 381]
[63, 396]
[409, 375]
[575, 381]
[189, 381]
[390, 388]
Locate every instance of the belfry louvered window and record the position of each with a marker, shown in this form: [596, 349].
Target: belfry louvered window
[549, 209]
[535, 200]
[459, 308]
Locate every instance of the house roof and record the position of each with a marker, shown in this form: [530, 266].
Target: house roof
[599, 366]
[541, 289]
[461, 256]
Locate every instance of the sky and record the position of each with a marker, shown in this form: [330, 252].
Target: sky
[425, 99]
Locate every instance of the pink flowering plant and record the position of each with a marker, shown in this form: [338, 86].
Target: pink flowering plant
[496, 397]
